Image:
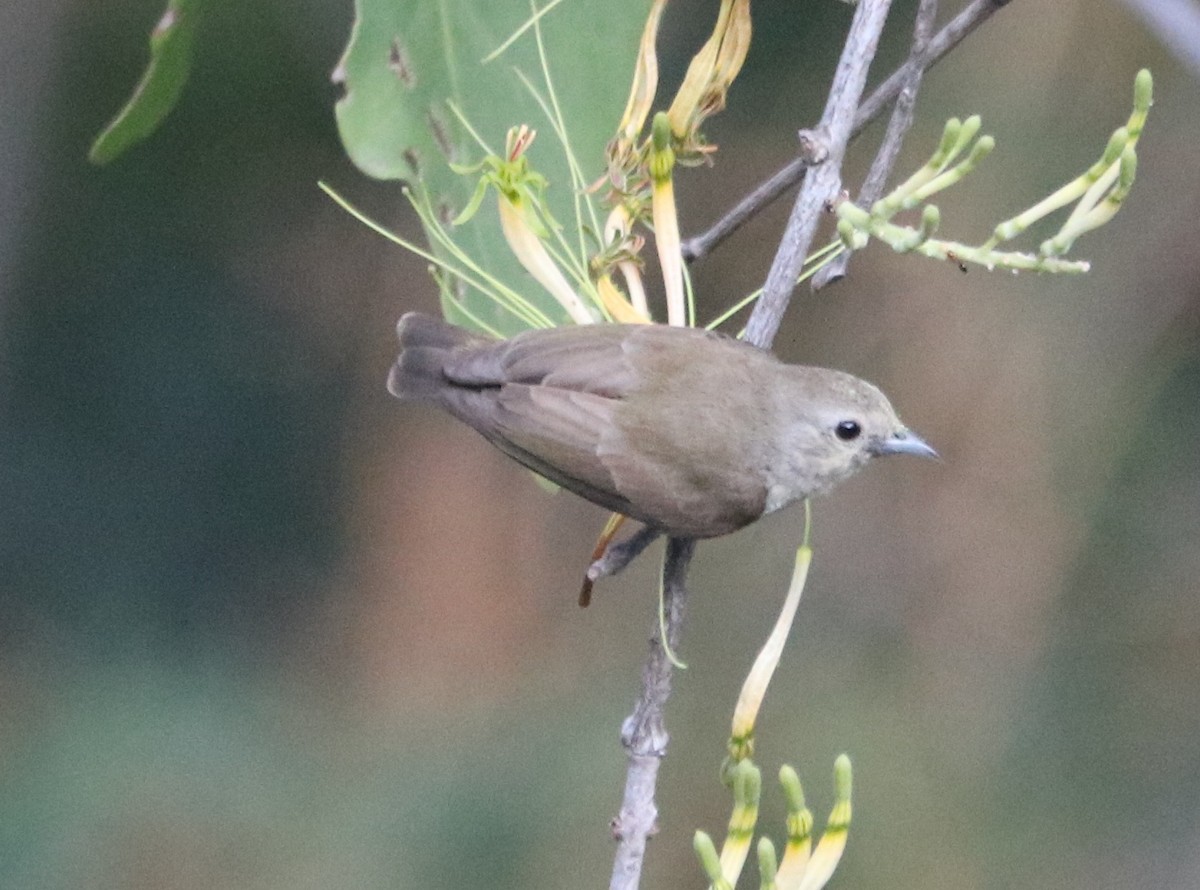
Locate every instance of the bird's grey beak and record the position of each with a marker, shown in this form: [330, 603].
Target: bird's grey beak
[905, 442]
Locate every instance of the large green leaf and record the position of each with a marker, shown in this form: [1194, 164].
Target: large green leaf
[408, 58]
[159, 88]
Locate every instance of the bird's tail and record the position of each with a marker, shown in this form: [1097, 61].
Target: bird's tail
[425, 345]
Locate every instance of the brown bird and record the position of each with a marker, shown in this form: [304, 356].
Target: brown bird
[691, 432]
[694, 433]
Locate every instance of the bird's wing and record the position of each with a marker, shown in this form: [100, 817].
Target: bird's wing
[559, 433]
[598, 358]
[547, 399]
[551, 399]
[587, 358]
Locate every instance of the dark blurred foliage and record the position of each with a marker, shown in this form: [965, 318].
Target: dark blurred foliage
[263, 627]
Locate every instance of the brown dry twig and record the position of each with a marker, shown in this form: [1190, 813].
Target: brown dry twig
[952, 33]
[644, 733]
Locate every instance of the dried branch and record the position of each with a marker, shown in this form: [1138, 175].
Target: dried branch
[898, 126]
[824, 182]
[953, 33]
[1177, 24]
[617, 556]
[644, 733]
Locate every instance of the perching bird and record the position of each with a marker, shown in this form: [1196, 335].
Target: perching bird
[691, 432]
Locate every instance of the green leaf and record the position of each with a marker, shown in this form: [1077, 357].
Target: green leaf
[160, 86]
[408, 59]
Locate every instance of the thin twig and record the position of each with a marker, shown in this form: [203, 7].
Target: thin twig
[1177, 24]
[617, 556]
[898, 125]
[970, 18]
[902, 113]
[644, 732]
[825, 181]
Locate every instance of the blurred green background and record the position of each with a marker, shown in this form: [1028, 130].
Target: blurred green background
[262, 627]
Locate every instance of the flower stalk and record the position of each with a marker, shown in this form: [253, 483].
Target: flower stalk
[666, 220]
[1097, 193]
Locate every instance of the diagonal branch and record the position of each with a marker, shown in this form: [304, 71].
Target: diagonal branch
[824, 181]
[953, 33]
[898, 125]
[644, 731]
[644, 734]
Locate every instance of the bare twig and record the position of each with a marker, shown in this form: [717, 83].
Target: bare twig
[644, 733]
[618, 556]
[823, 182]
[1177, 24]
[906, 102]
[899, 124]
[615, 558]
[970, 18]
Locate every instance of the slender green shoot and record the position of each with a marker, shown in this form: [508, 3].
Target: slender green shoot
[531, 22]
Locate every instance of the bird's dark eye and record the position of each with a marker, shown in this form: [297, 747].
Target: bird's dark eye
[848, 430]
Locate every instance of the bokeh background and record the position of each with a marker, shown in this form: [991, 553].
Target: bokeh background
[262, 627]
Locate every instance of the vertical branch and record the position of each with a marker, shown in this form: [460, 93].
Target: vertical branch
[824, 181]
[644, 733]
[952, 33]
[898, 125]
[906, 103]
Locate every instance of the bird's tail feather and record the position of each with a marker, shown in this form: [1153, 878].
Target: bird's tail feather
[419, 329]
[425, 345]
